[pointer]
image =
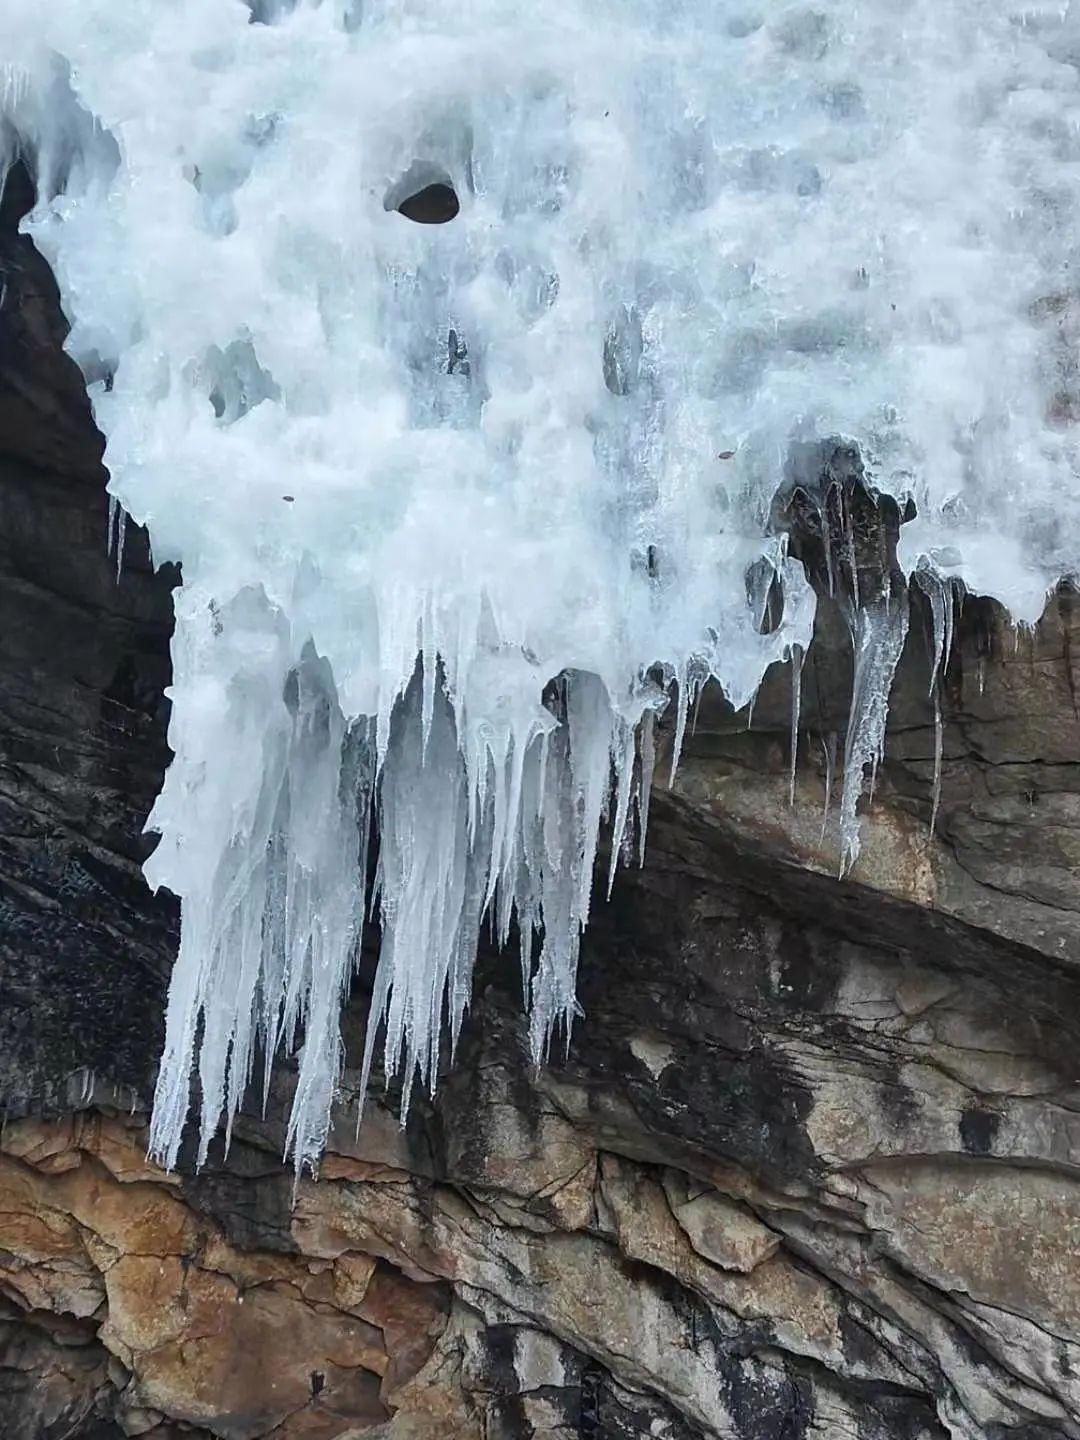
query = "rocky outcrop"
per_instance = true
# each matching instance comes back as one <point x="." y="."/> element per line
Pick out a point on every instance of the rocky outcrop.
<point x="84" y="949"/>
<point x="807" y="1167"/>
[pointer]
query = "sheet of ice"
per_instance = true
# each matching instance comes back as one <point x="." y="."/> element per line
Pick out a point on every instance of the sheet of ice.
<point x="688" y="229"/>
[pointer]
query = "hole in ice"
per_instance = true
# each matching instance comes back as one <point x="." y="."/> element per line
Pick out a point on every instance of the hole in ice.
<point x="425" y="194"/>
<point x="433" y="205"/>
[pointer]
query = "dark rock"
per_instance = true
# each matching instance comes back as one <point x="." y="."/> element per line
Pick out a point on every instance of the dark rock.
<point x="85" y="950"/>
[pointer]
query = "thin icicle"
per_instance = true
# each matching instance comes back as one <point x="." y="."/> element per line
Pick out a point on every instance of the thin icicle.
<point x="622" y="757"/>
<point x="942" y="596"/>
<point x="121" y="536"/>
<point x="648" y="764"/>
<point x="935" y="589"/>
<point x="938" y="752"/>
<point x="682" y="710"/>
<point x="950" y="626"/>
<point x="116" y="533"/>
<point x="796" y="708"/>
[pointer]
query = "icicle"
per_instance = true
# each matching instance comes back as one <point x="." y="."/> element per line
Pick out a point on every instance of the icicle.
<point x="116" y="532"/>
<point x="648" y="763"/>
<point x="121" y="536"/>
<point x="935" y="590"/>
<point x="938" y="750"/>
<point x="683" y="706"/>
<point x="622" y="758"/>
<point x="941" y="595"/>
<point x="796" y="706"/>
<point x="270" y="935"/>
<point x="950" y="622"/>
<point x="880" y="632"/>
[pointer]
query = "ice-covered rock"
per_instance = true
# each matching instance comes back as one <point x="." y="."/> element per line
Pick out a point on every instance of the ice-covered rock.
<point x="446" y="495"/>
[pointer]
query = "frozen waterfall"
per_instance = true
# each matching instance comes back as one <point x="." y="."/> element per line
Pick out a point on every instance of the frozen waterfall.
<point x="455" y="501"/>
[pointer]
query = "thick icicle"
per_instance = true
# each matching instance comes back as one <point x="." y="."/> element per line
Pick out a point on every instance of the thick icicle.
<point x="942" y="595"/>
<point x="275" y="907"/>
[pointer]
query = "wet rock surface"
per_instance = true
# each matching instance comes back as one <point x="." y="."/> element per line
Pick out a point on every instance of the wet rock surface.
<point x="809" y="1166"/>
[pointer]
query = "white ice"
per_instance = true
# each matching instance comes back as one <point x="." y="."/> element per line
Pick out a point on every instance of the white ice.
<point x="445" y="497"/>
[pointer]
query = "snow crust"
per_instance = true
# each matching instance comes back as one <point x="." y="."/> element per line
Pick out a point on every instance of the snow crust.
<point x="450" y="501"/>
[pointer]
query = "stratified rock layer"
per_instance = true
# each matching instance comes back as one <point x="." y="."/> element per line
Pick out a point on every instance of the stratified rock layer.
<point x="808" y="1168"/>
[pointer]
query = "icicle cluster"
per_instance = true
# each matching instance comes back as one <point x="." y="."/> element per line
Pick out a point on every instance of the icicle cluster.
<point x="445" y="496"/>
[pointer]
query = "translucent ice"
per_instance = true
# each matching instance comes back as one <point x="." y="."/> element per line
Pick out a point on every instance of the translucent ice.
<point x="446" y="496"/>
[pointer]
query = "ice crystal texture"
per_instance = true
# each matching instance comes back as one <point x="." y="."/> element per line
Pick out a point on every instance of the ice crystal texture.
<point x="449" y="498"/>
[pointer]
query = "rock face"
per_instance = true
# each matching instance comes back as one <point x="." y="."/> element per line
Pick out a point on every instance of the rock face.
<point x="810" y="1165"/>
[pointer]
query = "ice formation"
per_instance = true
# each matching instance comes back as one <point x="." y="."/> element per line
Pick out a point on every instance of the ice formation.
<point x="449" y="499"/>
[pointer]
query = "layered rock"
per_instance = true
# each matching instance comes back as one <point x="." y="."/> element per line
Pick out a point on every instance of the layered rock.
<point x="808" y="1166"/>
